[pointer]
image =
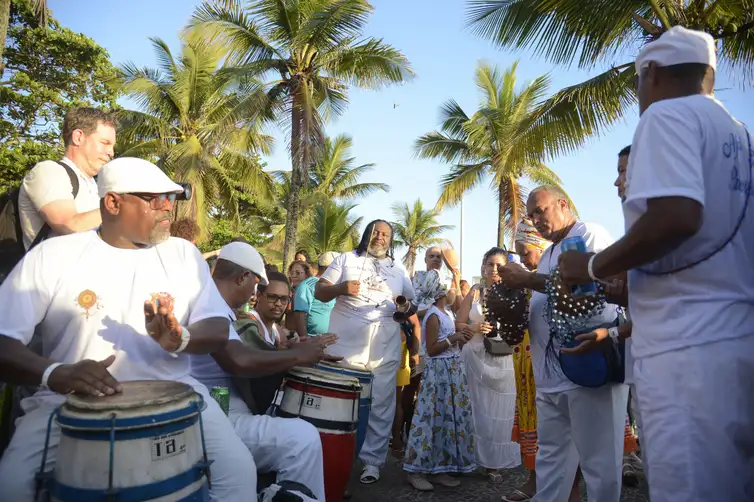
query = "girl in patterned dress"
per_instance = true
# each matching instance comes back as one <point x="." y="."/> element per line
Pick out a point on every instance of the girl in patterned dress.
<point x="441" y="437"/>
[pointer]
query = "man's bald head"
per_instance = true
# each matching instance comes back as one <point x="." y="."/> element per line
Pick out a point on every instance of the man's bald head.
<point x="433" y="258"/>
<point x="550" y="211"/>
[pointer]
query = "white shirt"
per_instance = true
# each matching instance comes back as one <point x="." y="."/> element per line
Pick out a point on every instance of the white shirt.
<point x="549" y="378"/>
<point x="48" y="182"/>
<point x="86" y="298"/>
<point x="381" y="281"/>
<point x="447" y="329"/>
<point x="206" y="370"/>
<point x="692" y="147"/>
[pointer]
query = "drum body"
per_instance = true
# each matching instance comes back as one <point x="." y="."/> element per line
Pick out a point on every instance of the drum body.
<point x="145" y="444"/>
<point x="365" y="401"/>
<point x="330" y="402"/>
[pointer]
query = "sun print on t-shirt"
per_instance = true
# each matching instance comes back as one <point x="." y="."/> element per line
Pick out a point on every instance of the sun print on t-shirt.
<point x="87" y="300"/>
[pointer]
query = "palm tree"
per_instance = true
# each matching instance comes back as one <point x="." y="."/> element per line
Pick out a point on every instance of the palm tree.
<point x="507" y="139"/>
<point x="312" y="50"/>
<point x="595" y="32"/>
<point x="416" y="228"/>
<point x="334" y="175"/>
<point x="40" y="8"/>
<point x="200" y="125"/>
<point x="332" y="228"/>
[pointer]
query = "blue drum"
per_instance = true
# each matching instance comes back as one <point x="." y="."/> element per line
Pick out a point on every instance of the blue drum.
<point x="365" y="402"/>
<point x="144" y="444"/>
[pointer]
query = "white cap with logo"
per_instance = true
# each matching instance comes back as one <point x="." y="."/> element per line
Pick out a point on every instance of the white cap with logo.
<point x="244" y="255"/>
<point x="679" y="45"/>
<point x="325" y="259"/>
<point x="132" y="175"/>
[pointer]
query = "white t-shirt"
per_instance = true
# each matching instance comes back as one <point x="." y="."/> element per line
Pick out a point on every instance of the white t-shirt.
<point x="381" y="281"/>
<point x="206" y="370"/>
<point x="548" y="377"/>
<point x="86" y="298"/>
<point x="692" y="147"/>
<point x="48" y="182"/>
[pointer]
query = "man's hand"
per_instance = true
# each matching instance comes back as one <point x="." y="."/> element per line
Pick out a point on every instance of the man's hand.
<point x="574" y="268"/>
<point x="162" y="325"/>
<point x="351" y="288"/>
<point x="85" y="377"/>
<point x="590" y="342"/>
<point x="514" y="275"/>
<point x="617" y="293"/>
<point x="485" y="328"/>
<point x="313" y="351"/>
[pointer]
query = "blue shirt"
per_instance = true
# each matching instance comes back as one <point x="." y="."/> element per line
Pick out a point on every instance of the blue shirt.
<point x="318" y="313"/>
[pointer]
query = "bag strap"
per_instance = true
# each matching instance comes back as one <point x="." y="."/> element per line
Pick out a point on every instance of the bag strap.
<point x="747" y="196"/>
<point x="46" y="230"/>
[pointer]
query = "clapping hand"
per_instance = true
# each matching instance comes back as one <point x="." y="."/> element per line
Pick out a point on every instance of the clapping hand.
<point x="162" y="325"/>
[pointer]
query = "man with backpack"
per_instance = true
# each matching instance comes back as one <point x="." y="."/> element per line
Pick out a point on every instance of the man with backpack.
<point x="58" y="197"/>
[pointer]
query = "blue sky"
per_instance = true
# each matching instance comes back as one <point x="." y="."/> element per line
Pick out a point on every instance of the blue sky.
<point x="444" y="55"/>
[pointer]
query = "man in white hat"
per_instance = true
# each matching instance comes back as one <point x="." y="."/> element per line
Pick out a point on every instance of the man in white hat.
<point x="120" y="303"/>
<point x="311" y="316"/>
<point x="689" y="249"/>
<point x="290" y="447"/>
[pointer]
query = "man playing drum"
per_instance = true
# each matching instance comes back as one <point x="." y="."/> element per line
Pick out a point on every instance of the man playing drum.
<point x="91" y="296"/>
<point x="289" y="446"/>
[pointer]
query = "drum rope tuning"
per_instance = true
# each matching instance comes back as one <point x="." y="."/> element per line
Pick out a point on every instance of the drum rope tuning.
<point x="45" y="480"/>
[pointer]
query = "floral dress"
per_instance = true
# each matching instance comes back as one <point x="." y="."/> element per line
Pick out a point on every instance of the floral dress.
<point x="441" y="438"/>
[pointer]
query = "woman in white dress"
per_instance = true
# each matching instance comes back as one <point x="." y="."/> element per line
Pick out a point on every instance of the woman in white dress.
<point x="491" y="379"/>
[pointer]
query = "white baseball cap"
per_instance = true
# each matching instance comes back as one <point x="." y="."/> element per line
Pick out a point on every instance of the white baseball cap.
<point x="244" y="255"/>
<point x="132" y="175"/>
<point x="679" y="45"/>
<point x="325" y="259"/>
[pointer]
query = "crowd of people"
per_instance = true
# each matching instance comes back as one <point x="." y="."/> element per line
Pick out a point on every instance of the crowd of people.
<point x="674" y="322"/>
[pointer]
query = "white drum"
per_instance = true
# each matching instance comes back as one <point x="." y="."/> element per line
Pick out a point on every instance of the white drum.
<point x="326" y="400"/>
<point x="144" y="444"/>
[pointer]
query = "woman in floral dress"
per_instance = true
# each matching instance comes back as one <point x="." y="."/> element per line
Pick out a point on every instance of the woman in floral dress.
<point x="441" y="437"/>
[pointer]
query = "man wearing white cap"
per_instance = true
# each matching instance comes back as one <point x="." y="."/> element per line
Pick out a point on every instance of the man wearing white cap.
<point x="290" y="447"/>
<point x="689" y="249"/>
<point x="93" y="296"/>
<point x="311" y="316"/>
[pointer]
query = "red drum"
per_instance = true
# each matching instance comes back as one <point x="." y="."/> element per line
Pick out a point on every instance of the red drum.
<point x="329" y="402"/>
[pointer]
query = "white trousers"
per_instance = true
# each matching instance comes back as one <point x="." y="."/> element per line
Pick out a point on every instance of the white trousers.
<point x="581" y="426"/>
<point x="234" y="475"/>
<point x="291" y="447"/>
<point x="697" y="417"/>
<point x="375" y="346"/>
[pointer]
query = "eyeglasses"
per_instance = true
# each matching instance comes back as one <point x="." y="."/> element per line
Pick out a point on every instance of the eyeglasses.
<point x="273" y="299"/>
<point x="157" y="201"/>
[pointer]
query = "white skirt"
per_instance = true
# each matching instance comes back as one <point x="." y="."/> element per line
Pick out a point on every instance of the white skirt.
<point x="492" y="385"/>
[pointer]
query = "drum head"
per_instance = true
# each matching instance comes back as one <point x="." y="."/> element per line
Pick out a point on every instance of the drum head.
<point x="136" y="394"/>
<point x="342" y="365"/>
<point x="324" y="378"/>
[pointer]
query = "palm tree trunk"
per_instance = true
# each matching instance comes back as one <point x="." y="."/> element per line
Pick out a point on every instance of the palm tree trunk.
<point x="294" y="196"/>
<point x="411" y="261"/>
<point x="4" y="18"/>
<point x="501" y="202"/>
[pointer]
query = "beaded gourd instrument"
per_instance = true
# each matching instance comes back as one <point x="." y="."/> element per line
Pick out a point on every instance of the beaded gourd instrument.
<point x="507" y="310"/>
<point x="567" y="315"/>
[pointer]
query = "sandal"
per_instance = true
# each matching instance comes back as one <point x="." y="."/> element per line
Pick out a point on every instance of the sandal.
<point x="370" y="474"/>
<point x="495" y="478"/>
<point x="520" y="497"/>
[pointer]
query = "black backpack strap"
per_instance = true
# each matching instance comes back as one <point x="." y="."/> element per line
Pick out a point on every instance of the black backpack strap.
<point x="45" y="231"/>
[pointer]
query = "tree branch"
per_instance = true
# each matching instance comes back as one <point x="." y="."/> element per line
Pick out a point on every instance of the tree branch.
<point x="649" y="28"/>
<point x="660" y="14"/>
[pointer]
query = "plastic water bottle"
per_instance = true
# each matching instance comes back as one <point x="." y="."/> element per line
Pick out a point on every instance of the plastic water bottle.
<point x="578" y="244"/>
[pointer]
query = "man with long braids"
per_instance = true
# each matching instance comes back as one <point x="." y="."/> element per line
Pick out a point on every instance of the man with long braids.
<point x="365" y="283"/>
